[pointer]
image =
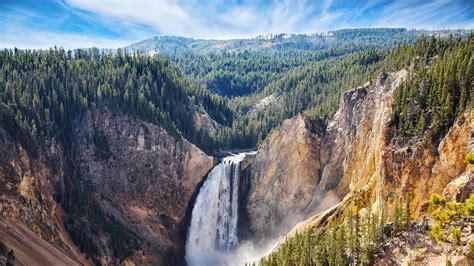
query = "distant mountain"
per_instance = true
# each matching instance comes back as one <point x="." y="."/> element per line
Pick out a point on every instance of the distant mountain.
<point x="295" y="43"/>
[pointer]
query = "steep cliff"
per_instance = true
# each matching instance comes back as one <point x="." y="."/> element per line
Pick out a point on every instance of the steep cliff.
<point x="304" y="170"/>
<point x="143" y="177"/>
<point x="283" y="176"/>
<point x="31" y="220"/>
<point x="122" y="193"/>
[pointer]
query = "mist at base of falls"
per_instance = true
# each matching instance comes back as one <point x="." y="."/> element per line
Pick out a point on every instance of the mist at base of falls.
<point x="246" y="252"/>
<point x="212" y="237"/>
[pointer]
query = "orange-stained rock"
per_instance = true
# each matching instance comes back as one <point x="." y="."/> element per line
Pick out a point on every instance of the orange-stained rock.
<point x="28" y="209"/>
<point x="355" y="156"/>
<point x="304" y="168"/>
<point x="284" y="175"/>
<point x="146" y="178"/>
<point x="139" y="174"/>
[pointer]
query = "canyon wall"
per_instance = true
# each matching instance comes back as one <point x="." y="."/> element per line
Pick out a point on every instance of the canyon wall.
<point x="306" y="172"/>
<point x="124" y="193"/>
<point x="31" y="220"/>
<point x="143" y="177"/>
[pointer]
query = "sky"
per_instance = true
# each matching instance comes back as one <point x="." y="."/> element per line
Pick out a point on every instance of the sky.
<point x="117" y="23"/>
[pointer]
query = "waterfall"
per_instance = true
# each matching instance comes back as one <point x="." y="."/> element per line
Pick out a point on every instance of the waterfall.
<point x="213" y="230"/>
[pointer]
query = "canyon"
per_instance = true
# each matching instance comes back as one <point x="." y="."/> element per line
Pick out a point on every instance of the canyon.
<point x="139" y="182"/>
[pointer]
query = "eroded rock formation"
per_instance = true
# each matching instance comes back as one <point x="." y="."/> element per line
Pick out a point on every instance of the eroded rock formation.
<point x="142" y="176"/>
<point x="31" y="220"/>
<point x="304" y="170"/>
<point x="127" y="190"/>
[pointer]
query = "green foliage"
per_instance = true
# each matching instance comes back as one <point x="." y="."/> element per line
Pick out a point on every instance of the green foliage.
<point x="401" y="215"/>
<point x="7" y="253"/>
<point x="438" y="88"/>
<point x="354" y="241"/>
<point x="437" y="232"/>
<point x="456" y="235"/>
<point x="102" y="147"/>
<point x="469" y="158"/>
<point x="437" y="200"/>
<point x="86" y="219"/>
<point x="450" y="218"/>
<point x="313" y="88"/>
<point x="312" y="83"/>
<point x="281" y="44"/>
<point x="469" y="206"/>
<point x="44" y="92"/>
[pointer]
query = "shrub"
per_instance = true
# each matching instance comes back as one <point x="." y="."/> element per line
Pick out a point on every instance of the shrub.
<point x="469" y="206"/>
<point x="469" y="158"/>
<point x="437" y="232"/>
<point x="456" y="235"/>
<point x="437" y="200"/>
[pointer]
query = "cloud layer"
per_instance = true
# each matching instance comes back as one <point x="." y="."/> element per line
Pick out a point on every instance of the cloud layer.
<point x="113" y="23"/>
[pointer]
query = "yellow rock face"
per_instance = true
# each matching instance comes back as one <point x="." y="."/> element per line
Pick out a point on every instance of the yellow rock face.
<point x="298" y="174"/>
<point x="421" y="171"/>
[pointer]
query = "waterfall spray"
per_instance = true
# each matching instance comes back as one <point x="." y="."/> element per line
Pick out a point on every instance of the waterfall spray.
<point x="213" y="229"/>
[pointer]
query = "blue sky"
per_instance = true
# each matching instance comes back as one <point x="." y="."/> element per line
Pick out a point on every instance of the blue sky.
<point x="115" y="23"/>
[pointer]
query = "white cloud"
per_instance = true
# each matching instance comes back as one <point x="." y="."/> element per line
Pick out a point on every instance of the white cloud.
<point x="32" y="39"/>
<point x="215" y="19"/>
<point x="120" y="22"/>
<point x="428" y="15"/>
<point x="164" y="15"/>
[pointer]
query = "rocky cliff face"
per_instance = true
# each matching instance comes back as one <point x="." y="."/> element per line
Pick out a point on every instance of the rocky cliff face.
<point x="142" y="176"/>
<point x="31" y="220"/>
<point x="304" y="168"/>
<point x="301" y="172"/>
<point x="284" y="175"/>
<point x="125" y="195"/>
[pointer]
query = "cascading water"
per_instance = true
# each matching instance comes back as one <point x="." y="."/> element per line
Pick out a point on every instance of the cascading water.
<point x="213" y="230"/>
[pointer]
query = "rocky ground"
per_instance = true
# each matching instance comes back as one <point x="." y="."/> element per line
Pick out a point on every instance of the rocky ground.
<point x="414" y="246"/>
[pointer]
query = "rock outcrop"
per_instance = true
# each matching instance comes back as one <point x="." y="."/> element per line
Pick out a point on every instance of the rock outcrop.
<point x="143" y="177"/>
<point x="415" y="247"/>
<point x="284" y="175"/>
<point x="304" y="170"/>
<point x="30" y="217"/>
<point x="122" y="194"/>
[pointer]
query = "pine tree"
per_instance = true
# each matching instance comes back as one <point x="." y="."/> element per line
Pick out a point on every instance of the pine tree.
<point x="397" y="216"/>
<point x="420" y="126"/>
<point x="357" y="236"/>
<point x="407" y="210"/>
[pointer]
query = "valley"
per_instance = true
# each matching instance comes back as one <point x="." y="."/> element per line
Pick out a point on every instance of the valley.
<point x="265" y="151"/>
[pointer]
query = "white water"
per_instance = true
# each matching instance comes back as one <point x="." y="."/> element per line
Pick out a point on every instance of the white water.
<point x="213" y="231"/>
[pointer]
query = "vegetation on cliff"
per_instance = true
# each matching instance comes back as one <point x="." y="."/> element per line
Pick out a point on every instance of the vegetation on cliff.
<point x="43" y="92"/>
<point x="353" y="240"/>
<point x="451" y="219"/>
<point x="7" y="256"/>
<point x="356" y="239"/>
<point x="438" y="88"/>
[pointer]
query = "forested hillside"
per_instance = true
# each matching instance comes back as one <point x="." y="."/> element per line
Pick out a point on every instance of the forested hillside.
<point x="285" y="44"/>
<point x="241" y="67"/>
<point x="43" y="92"/>
<point x="438" y="89"/>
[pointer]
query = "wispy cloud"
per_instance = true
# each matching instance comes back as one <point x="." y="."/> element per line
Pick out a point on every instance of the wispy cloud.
<point x="31" y="39"/>
<point x="429" y="14"/>
<point x="111" y="23"/>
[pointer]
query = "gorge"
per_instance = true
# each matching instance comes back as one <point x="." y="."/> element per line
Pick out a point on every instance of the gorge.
<point x="116" y="158"/>
<point x="213" y="229"/>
